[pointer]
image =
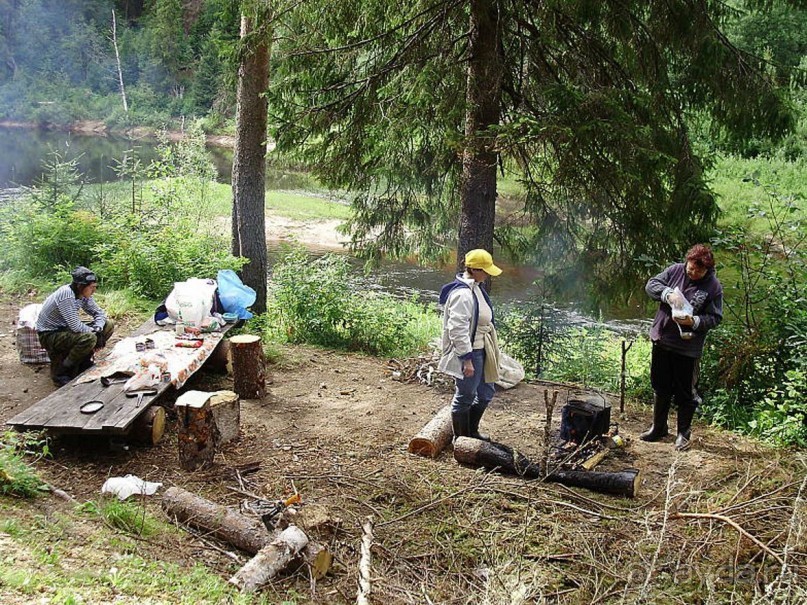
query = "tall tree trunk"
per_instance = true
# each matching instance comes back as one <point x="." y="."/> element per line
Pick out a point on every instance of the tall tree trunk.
<point x="249" y="162"/>
<point x="483" y="94"/>
<point x="117" y="61"/>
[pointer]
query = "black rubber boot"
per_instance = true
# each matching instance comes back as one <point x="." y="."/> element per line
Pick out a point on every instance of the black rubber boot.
<point x="685" y="414"/>
<point x="661" y="408"/>
<point x="460" y="424"/>
<point x="474" y="416"/>
<point x="85" y="364"/>
<point x="62" y="375"/>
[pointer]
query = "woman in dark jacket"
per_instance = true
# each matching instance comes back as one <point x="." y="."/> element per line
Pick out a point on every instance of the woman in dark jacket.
<point x="678" y="338"/>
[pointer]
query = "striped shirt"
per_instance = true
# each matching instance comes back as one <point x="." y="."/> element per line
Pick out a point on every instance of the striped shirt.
<point x="60" y="311"/>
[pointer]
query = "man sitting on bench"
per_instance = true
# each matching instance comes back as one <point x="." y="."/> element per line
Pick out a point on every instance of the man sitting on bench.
<point x="70" y="342"/>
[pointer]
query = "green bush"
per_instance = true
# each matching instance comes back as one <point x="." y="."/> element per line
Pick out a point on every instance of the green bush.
<point x="541" y="339"/>
<point x="144" y="241"/>
<point x="17" y="477"/>
<point x="316" y="302"/>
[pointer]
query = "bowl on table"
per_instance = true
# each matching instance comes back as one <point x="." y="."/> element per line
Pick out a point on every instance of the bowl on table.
<point x="230" y="317"/>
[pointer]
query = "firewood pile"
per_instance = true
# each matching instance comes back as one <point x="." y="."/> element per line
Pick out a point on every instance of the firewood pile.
<point x="421" y="369"/>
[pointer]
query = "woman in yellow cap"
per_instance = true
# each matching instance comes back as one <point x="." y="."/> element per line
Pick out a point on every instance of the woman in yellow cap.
<point x="470" y="351"/>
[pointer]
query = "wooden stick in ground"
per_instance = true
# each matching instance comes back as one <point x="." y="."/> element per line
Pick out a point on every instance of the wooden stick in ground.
<point x="270" y="560"/>
<point x="622" y="376"/>
<point x="434" y="436"/>
<point x="550" y="406"/>
<point x="365" y="586"/>
<point x="241" y="531"/>
<point x="249" y="371"/>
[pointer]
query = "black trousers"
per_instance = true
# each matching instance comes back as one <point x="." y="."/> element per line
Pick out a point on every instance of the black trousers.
<point x="675" y="375"/>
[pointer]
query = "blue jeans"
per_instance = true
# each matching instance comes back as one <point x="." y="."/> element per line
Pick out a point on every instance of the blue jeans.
<point x="473" y="391"/>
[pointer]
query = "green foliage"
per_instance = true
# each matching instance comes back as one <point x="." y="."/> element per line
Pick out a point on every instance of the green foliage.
<point x="754" y="367"/>
<point x="590" y="355"/>
<point x="51" y="231"/>
<point x="128" y="516"/>
<point x="317" y="302"/>
<point x="140" y="240"/>
<point x="17" y="476"/>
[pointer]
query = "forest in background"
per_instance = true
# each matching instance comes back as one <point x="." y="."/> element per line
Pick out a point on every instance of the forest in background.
<point x="178" y="64"/>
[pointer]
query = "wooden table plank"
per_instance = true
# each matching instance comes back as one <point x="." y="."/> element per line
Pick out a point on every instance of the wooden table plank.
<point x="60" y="411"/>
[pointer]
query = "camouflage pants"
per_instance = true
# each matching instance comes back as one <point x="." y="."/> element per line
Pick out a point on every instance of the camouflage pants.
<point x="64" y="346"/>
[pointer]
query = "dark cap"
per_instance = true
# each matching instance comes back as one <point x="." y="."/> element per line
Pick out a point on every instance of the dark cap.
<point x="82" y="276"/>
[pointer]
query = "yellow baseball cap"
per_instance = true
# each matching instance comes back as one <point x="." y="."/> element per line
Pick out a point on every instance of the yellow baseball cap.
<point x="481" y="259"/>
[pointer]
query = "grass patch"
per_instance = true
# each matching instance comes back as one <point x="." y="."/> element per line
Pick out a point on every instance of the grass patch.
<point x="17" y="477"/>
<point x="743" y="185"/>
<point x="302" y="206"/>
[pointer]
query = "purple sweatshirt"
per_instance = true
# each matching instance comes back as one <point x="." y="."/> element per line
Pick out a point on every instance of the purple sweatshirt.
<point x="706" y="297"/>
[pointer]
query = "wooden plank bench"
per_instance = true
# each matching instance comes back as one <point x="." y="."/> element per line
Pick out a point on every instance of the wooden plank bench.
<point x="60" y="412"/>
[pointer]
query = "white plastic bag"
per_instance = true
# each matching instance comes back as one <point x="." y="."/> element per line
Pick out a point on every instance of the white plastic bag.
<point x="190" y="301"/>
<point x="681" y="310"/>
<point x="123" y="487"/>
<point x="511" y="372"/>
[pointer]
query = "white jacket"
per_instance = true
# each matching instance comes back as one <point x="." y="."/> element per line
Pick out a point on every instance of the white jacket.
<point x="458" y="318"/>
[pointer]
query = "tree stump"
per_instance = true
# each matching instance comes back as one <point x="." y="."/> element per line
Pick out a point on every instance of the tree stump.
<point x="197" y="435"/>
<point x="249" y="371"/>
<point x="149" y="427"/>
<point x="246" y="533"/>
<point x="435" y="436"/>
<point x="226" y="408"/>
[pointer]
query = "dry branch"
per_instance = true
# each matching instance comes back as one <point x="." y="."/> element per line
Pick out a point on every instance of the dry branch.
<point x="364" y="563"/>
<point x="735" y="525"/>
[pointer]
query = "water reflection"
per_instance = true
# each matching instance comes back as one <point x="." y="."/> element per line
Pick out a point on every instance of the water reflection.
<point x="22" y="152"/>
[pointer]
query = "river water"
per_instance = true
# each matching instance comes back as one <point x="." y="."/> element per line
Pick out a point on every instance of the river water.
<point x="22" y="152"/>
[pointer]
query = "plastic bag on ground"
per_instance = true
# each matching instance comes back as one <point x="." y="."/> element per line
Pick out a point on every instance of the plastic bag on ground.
<point x="234" y="295"/>
<point x="123" y="487"/>
<point x="511" y="372"/>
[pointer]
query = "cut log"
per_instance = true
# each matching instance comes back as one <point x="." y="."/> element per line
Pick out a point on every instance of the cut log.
<point x="226" y="408"/>
<point x="149" y="427"/>
<point x="270" y="560"/>
<point x="435" y="436"/>
<point x="318" y="559"/>
<point x="594" y="460"/>
<point x="245" y="533"/>
<point x="496" y="456"/>
<point x="249" y="371"/>
<point x="197" y="435"/>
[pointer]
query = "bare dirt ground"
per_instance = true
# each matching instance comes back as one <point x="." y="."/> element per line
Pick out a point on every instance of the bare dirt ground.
<point x="336" y="426"/>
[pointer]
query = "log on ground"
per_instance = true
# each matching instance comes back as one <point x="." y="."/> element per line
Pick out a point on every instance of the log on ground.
<point x="496" y="456"/>
<point x="249" y="367"/>
<point x="246" y="533"/>
<point x="270" y="560"/>
<point x="434" y="436"/>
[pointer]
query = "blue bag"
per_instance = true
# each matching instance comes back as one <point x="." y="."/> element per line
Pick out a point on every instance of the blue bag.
<point x="235" y="296"/>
